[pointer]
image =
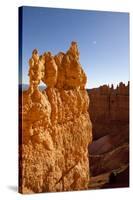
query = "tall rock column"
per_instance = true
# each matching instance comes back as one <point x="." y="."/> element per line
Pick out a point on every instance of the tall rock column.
<point x="56" y="127"/>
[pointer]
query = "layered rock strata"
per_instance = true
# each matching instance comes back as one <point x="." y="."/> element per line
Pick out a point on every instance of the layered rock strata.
<point x="109" y="113"/>
<point x="109" y="109"/>
<point x="56" y="128"/>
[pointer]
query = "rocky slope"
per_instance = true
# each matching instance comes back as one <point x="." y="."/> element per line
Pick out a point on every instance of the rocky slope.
<point x="55" y="127"/>
<point x="109" y="151"/>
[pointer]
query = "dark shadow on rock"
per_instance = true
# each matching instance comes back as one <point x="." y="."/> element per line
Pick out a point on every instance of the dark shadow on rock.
<point x="112" y="178"/>
<point x="119" y="181"/>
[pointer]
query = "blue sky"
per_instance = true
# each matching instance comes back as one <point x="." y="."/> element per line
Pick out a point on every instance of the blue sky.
<point x="102" y="37"/>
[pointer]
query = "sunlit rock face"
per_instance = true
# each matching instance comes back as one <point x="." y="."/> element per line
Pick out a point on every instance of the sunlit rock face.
<point x="56" y="127"/>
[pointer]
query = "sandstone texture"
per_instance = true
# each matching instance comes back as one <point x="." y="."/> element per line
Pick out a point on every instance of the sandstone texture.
<point x="109" y="113"/>
<point x="55" y="127"/>
<point x="109" y="109"/>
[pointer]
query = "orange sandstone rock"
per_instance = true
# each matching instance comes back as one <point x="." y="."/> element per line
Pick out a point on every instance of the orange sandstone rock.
<point x="109" y="109"/>
<point x="50" y="77"/>
<point x="56" y="127"/>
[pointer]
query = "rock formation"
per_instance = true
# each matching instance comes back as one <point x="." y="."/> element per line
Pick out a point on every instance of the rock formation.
<point x="109" y="108"/>
<point x="56" y="129"/>
<point x="109" y="113"/>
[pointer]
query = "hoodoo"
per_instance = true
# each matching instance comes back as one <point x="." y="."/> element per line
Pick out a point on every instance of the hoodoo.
<point x="56" y="127"/>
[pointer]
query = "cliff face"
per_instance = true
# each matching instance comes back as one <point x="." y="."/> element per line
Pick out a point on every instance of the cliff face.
<point x="109" y="109"/>
<point x="109" y="113"/>
<point x="56" y="127"/>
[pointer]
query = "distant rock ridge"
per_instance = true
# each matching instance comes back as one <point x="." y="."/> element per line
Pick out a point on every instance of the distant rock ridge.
<point x="121" y="89"/>
<point x="108" y="105"/>
<point x="56" y="128"/>
<point x="109" y="113"/>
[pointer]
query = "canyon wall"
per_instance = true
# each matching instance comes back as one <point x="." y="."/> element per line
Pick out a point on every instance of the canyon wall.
<point x="108" y="106"/>
<point x="55" y="127"/>
<point x="109" y="113"/>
